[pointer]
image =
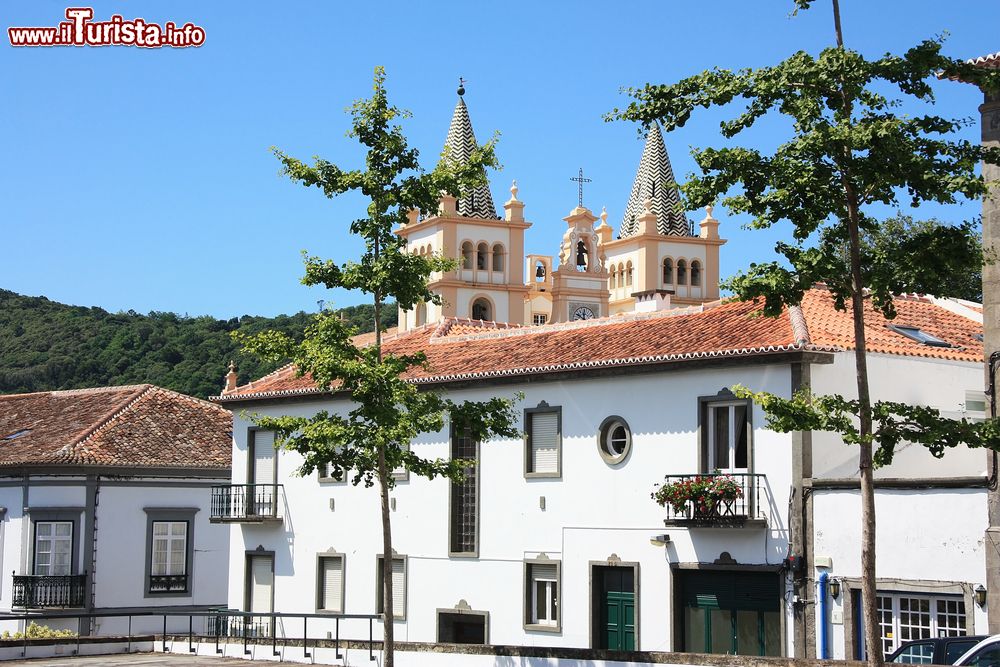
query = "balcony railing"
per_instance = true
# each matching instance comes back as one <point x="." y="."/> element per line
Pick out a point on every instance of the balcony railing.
<point x="248" y="503"/>
<point x="168" y="583"/>
<point x="734" y="509"/>
<point x="37" y="591"/>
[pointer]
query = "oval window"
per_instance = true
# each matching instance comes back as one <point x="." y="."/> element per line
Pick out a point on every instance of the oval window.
<point x="614" y="440"/>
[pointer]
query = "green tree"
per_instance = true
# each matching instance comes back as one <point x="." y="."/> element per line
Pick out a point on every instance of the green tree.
<point x="849" y="151"/>
<point x="387" y="411"/>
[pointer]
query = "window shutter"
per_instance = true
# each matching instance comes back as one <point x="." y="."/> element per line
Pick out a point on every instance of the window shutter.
<point x="263" y="453"/>
<point x="333" y="578"/>
<point x="544" y="442"/>
<point x="398" y="587"/>
<point x="543" y="572"/>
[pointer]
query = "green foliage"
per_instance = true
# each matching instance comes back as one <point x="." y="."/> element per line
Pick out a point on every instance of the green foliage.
<point x="388" y="412"/>
<point x="45" y="346"/>
<point x="36" y="631"/>
<point x="892" y="423"/>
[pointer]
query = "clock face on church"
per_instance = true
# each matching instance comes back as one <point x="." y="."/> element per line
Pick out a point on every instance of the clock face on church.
<point x="583" y="313"/>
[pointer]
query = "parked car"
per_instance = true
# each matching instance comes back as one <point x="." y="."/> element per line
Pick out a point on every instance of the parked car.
<point x="984" y="654"/>
<point x="935" y="651"/>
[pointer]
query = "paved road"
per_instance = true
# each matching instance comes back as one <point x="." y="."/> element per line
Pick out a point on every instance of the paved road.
<point x="142" y="659"/>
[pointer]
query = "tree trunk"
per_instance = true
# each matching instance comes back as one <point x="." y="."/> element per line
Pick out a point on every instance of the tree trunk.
<point x="387" y="602"/>
<point x="873" y="640"/>
<point x="388" y="642"/>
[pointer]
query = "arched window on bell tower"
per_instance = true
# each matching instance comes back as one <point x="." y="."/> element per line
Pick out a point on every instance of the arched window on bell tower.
<point x="668" y="271"/>
<point x="467" y="255"/>
<point x="695" y="273"/>
<point x="498" y="258"/>
<point x="481" y="310"/>
<point x="482" y="257"/>
<point x="682" y="277"/>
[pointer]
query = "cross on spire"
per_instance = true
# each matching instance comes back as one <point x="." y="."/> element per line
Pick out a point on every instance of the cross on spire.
<point x="580" y="180"/>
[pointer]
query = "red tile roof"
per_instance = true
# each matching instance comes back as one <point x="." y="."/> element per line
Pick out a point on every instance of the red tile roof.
<point x="464" y="349"/>
<point x="989" y="60"/>
<point x="132" y="426"/>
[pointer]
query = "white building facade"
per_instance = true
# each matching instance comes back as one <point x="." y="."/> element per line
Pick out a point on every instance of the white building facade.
<point x="106" y="503"/>
<point x="554" y="539"/>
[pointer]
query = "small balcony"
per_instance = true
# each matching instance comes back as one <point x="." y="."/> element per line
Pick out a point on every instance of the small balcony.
<point x="720" y="501"/>
<point x="246" y="503"/>
<point x="168" y="583"/>
<point x="37" y="591"/>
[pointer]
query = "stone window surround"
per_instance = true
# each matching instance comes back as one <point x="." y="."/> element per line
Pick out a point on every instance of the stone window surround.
<point x="186" y="514"/>
<point x="528" y="626"/>
<point x="850" y="585"/>
<point x="479" y="486"/>
<point x="378" y="584"/>
<point x="602" y="433"/>
<point x="542" y="407"/>
<point x="71" y="514"/>
<point x="461" y="609"/>
<point x="332" y="553"/>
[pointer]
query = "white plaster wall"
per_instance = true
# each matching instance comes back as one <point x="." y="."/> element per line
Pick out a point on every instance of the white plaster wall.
<point x="120" y="566"/>
<point x="933" y="382"/>
<point x="10" y="543"/>
<point x="477" y="233"/>
<point x="932" y="535"/>
<point x="591" y="512"/>
<point x="465" y="296"/>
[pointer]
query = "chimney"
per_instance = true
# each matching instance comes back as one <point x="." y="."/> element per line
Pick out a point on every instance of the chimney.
<point x="652" y="301"/>
<point x="231" y="378"/>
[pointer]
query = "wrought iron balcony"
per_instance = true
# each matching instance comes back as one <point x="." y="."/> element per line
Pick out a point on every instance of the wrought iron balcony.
<point x="245" y="503"/>
<point x="168" y="583"/>
<point x="724" y="500"/>
<point x="38" y="591"/>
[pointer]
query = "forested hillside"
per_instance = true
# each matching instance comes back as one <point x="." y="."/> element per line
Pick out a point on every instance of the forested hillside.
<point x="45" y="345"/>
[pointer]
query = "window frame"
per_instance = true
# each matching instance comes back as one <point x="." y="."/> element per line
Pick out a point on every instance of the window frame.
<point x="379" y="598"/>
<point x="705" y="404"/>
<point x="451" y="450"/>
<point x="529" y="413"/>
<point x="321" y="582"/>
<point x="529" y="622"/>
<point x="175" y="515"/>
<point x="52" y="540"/>
<point x="47" y="514"/>
<point x="604" y="431"/>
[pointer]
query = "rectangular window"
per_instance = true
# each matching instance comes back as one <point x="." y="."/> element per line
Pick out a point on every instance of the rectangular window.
<point x="169" y="548"/>
<point x="975" y="405"/>
<point x="728" y="437"/>
<point x="542" y="451"/>
<point x="542" y="595"/>
<point x="464" y="528"/>
<point x="538" y="319"/>
<point x="904" y="617"/>
<point x="469" y="627"/>
<point x="53" y="548"/>
<point x="331" y="584"/>
<point x="398" y="587"/>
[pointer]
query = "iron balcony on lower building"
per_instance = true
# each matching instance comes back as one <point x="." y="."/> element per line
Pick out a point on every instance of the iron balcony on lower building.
<point x="718" y="500"/>
<point x="168" y="583"/>
<point x="42" y="591"/>
<point x="246" y="503"/>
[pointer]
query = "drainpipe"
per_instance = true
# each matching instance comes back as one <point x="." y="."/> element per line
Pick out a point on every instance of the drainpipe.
<point x="824" y="612"/>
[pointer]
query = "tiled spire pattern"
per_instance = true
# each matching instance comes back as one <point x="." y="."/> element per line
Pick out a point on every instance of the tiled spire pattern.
<point x="655" y="181"/>
<point x="460" y="143"/>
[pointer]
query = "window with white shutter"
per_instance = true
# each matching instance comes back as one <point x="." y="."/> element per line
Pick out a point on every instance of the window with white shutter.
<point x="398" y="587"/>
<point x="544" y="441"/>
<point x="331" y="584"/>
<point x="541" y="595"/>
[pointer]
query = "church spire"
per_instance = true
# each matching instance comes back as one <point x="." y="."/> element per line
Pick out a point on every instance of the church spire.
<point x="460" y="143"/>
<point x="655" y="181"/>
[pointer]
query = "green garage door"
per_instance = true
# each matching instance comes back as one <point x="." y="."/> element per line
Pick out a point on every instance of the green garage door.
<point x="731" y="612"/>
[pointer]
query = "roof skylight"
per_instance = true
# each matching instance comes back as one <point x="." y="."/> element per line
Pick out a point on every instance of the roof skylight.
<point x="919" y="335"/>
<point x="16" y="434"/>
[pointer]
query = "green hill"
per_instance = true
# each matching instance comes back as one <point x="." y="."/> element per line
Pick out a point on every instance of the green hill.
<point x="45" y="345"/>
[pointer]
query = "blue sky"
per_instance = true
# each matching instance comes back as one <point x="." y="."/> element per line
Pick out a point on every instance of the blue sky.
<point x="141" y="179"/>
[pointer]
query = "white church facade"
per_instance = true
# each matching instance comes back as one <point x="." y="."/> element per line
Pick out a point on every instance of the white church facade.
<point x="625" y="356"/>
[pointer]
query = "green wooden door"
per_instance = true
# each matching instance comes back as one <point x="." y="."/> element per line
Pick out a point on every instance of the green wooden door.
<point x="617" y="599"/>
<point x="731" y="612"/>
